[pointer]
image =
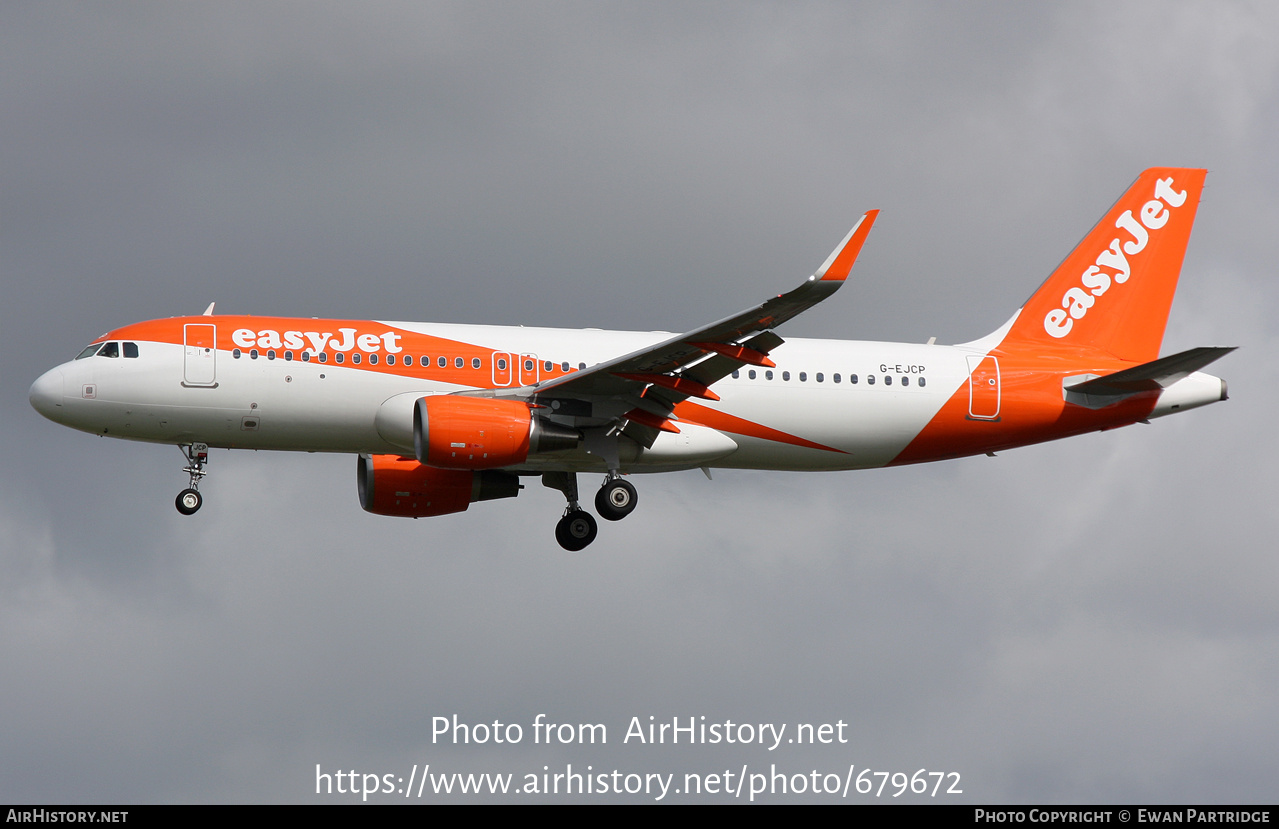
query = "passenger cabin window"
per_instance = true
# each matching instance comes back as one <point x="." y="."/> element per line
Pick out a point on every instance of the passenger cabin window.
<point x="475" y="362"/>
<point x="751" y="374"/>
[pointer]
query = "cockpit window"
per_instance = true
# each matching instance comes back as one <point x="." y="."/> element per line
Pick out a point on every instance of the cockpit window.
<point x="130" y="349"/>
<point x="110" y="350"/>
<point x="89" y="351"/>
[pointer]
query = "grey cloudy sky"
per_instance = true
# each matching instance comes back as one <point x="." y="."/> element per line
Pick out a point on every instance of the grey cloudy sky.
<point x="1093" y="620"/>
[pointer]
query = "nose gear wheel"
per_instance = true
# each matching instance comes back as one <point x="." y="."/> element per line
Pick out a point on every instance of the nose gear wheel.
<point x="188" y="501"/>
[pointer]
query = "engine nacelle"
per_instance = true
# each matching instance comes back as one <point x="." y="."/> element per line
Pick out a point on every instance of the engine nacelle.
<point x="452" y="432"/>
<point x="392" y="485"/>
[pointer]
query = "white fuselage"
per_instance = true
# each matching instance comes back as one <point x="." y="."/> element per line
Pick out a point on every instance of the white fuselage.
<point x="860" y="402"/>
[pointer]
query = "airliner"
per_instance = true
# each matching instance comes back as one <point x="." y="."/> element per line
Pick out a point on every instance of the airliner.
<point x="441" y="416"/>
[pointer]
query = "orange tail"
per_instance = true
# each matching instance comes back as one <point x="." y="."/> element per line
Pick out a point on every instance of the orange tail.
<point x="1114" y="290"/>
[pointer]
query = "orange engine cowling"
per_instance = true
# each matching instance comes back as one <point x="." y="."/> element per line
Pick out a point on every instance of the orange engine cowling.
<point x="453" y="432"/>
<point x="392" y="485"/>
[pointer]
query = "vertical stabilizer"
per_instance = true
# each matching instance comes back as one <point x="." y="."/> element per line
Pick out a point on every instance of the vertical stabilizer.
<point x="1113" y="292"/>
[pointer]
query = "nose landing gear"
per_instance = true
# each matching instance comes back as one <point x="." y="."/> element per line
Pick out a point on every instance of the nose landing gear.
<point x="189" y="500"/>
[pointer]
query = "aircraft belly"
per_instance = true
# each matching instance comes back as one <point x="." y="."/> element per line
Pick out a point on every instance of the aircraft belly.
<point x="692" y="446"/>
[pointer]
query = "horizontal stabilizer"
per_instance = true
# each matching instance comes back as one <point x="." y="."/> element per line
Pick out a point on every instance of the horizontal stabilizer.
<point x="1152" y="376"/>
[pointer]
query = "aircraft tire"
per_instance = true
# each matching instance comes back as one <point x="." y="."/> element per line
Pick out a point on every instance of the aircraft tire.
<point x="616" y="500"/>
<point x="576" y="530"/>
<point x="189" y="501"/>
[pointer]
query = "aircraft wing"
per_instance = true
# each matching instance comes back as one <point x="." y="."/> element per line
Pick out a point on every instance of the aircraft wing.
<point x="655" y="378"/>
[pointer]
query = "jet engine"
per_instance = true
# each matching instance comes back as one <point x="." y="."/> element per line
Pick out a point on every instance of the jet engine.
<point x="392" y="485"/>
<point x="452" y="432"/>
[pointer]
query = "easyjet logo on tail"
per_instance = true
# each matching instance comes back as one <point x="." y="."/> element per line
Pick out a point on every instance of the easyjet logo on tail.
<point x="1112" y="265"/>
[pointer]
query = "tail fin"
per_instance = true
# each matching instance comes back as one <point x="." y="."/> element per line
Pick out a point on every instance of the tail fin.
<point x="1114" y="290"/>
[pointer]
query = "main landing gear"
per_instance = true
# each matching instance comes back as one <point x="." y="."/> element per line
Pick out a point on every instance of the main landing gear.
<point x="189" y="500"/>
<point x="615" y="500"/>
<point x="576" y="529"/>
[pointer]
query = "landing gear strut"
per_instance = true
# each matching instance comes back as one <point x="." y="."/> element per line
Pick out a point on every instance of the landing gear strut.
<point x="189" y="500"/>
<point x="616" y="499"/>
<point x="577" y="529"/>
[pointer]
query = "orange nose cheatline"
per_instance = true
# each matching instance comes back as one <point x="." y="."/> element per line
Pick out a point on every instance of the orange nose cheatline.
<point x="46" y="394"/>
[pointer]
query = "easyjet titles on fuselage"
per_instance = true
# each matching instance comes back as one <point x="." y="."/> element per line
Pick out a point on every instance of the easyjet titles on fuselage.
<point x="270" y="338"/>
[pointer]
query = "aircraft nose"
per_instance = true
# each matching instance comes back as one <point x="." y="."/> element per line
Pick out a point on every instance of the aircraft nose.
<point x="46" y="394"/>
